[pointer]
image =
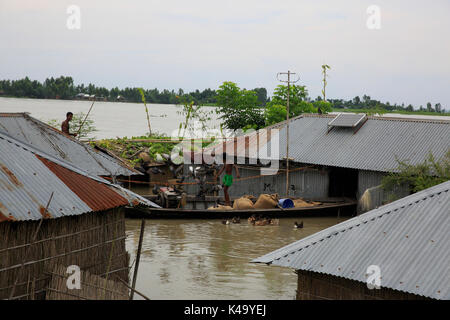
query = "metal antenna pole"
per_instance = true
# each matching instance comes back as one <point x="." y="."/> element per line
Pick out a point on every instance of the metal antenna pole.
<point x="287" y="122"/>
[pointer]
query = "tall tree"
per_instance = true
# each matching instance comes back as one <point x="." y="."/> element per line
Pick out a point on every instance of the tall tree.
<point x="238" y="108"/>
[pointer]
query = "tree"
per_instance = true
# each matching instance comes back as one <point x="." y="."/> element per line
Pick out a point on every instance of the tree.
<point x="297" y="97"/>
<point x="238" y="108"/>
<point x="262" y="95"/>
<point x="275" y="113"/>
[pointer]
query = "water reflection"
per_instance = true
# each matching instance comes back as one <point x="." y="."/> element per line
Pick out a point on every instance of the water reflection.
<point x="204" y="259"/>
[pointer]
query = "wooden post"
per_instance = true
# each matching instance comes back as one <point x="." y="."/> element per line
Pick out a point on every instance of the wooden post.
<point x="287" y="135"/>
<point x="289" y="73"/>
<point x="138" y="257"/>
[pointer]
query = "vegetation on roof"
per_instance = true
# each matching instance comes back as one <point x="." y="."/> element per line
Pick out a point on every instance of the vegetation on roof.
<point x="421" y="176"/>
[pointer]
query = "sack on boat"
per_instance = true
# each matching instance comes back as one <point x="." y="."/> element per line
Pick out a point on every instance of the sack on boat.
<point x="220" y="207"/>
<point x="266" y="201"/>
<point x="243" y="203"/>
<point x="300" y="203"/>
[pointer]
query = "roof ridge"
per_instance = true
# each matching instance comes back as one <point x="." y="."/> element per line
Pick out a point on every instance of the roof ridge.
<point x="400" y="119"/>
<point x="41" y="123"/>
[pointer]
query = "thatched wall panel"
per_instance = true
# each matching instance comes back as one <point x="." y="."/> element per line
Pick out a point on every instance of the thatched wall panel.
<point x="94" y="241"/>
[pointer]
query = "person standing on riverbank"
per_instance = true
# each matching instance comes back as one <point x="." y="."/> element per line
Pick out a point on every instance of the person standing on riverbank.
<point x="65" y="125"/>
<point x="227" y="180"/>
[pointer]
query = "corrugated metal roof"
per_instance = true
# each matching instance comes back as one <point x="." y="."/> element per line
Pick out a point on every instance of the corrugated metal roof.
<point x="376" y="146"/>
<point x="27" y="129"/>
<point x="408" y="239"/>
<point x="29" y="176"/>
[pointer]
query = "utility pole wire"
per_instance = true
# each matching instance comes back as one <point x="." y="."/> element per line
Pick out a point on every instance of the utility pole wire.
<point x="287" y="121"/>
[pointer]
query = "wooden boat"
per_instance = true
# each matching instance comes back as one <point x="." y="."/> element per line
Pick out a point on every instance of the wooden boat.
<point x="343" y="207"/>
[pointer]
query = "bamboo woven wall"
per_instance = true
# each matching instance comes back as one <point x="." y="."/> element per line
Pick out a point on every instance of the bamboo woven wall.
<point x="92" y="287"/>
<point x="317" y="286"/>
<point x="94" y="241"/>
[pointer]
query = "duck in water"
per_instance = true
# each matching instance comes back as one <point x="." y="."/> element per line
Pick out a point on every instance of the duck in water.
<point x="298" y="225"/>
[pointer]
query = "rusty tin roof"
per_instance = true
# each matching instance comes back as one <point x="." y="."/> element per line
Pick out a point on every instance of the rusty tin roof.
<point x="29" y="176"/>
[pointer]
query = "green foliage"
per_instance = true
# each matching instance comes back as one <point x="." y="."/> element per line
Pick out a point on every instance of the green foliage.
<point x="324" y="106"/>
<point x="129" y="149"/>
<point x="297" y="95"/>
<point x="238" y="108"/>
<point x="197" y="113"/>
<point x="87" y="127"/>
<point x="276" y="109"/>
<point x="275" y="113"/>
<point x="421" y="176"/>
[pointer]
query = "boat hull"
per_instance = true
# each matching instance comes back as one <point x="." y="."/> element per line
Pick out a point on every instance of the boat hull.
<point x="347" y="208"/>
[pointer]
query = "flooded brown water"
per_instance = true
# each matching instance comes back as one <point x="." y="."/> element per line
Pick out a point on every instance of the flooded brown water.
<point x="205" y="259"/>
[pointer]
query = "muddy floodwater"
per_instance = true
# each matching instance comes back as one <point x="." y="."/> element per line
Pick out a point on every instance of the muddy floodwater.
<point x="205" y="259"/>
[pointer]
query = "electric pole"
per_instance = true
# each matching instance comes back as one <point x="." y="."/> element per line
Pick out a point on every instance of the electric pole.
<point x="287" y="121"/>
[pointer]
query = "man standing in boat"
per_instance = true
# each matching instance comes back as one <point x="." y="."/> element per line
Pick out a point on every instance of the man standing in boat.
<point x="227" y="180"/>
<point x="65" y="125"/>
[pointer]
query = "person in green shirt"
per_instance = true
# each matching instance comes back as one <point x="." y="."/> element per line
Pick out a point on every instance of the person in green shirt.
<point x="227" y="180"/>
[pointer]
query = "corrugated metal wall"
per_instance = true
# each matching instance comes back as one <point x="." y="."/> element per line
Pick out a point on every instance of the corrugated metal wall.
<point x="368" y="179"/>
<point x="371" y="195"/>
<point x="307" y="183"/>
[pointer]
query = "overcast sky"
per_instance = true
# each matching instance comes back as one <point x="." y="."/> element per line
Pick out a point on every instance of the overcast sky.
<point x="199" y="44"/>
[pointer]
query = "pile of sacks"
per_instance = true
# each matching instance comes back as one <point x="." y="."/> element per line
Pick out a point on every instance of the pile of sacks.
<point x="265" y="201"/>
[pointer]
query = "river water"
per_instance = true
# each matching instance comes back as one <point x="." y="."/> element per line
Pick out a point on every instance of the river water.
<point x="205" y="259"/>
<point x="111" y="119"/>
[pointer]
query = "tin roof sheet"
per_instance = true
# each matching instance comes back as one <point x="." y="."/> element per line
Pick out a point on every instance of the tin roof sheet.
<point x="408" y="239"/>
<point x="27" y="129"/>
<point x="376" y="146"/>
<point x="29" y="176"/>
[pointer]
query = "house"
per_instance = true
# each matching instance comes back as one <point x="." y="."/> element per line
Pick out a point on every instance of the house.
<point x="406" y="243"/>
<point x="332" y="156"/>
<point x="29" y="130"/>
<point x="54" y="215"/>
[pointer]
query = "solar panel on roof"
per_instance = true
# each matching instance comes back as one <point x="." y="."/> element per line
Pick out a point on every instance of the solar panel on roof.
<point x="347" y="120"/>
